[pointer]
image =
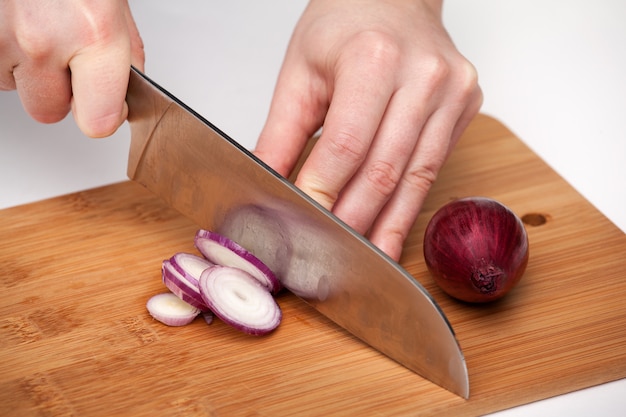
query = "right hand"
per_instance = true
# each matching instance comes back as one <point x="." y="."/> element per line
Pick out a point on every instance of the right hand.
<point x="70" y="55"/>
<point x="393" y="95"/>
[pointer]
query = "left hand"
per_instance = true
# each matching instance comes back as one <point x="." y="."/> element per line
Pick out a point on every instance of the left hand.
<point x="393" y="95"/>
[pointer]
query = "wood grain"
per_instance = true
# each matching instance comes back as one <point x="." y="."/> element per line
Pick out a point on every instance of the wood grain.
<point x="76" y="339"/>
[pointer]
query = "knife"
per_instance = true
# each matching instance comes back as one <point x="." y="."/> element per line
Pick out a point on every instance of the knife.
<point x="214" y="181"/>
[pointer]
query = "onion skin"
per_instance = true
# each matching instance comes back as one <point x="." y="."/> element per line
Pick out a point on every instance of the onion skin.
<point x="221" y="250"/>
<point x="182" y="284"/>
<point x="476" y="249"/>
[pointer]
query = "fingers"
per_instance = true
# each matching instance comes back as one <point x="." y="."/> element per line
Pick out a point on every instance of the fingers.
<point x="296" y="112"/>
<point x="359" y="99"/>
<point x="385" y="136"/>
<point x="29" y="62"/>
<point x="376" y="180"/>
<point x="100" y="73"/>
<point x="45" y="93"/>
<point x="395" y="220"/>
<point x="99" y="83"/>
<point x="70" y="55"/>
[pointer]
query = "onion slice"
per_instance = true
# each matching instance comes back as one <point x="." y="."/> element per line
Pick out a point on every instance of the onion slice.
<point x="221" y="250"/>
<point x="190" y="265"/>
<point x="169" y="309"/>
<point x="239" y="299"/>
<point x="183" y="285"/>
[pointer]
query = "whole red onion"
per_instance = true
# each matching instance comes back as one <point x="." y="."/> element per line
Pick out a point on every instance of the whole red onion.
<point x="476" y="249"/>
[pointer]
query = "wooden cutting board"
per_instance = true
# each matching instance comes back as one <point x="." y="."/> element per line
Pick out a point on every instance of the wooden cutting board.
<point x="76" y="339"/>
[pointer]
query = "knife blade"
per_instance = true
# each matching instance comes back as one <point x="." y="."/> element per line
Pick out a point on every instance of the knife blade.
<point x="210" y="178"/>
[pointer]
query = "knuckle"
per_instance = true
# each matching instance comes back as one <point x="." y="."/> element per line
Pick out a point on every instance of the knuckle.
<point x="422" y="177"/>
<point x="460" y="74"/>
<point x="435" y="70"/>
<point x="385" y="49"/>
<point x="32" y="43"/>
<point x="96" y="28"/>
<point x="379" y="48"/>
<point x="467" y="79"/>
<point x="383" y="177"/>
<point x="394" y="242"/>
<point x="38" y="38"/>
<point x="346" y="147"/>
<point x="315" y="189"/>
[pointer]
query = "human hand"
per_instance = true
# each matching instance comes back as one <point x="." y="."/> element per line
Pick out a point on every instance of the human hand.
<point x="69" y="54"/>
<point x="393" y="95"/>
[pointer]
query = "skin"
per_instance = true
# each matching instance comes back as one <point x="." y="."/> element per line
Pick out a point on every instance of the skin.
<point x="64" y="55"/>
<point x="382" y="77"/>
<point x="393" y="95"/>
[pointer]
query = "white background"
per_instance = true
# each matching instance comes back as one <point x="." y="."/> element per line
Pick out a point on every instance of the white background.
<point x="552" y="71"/>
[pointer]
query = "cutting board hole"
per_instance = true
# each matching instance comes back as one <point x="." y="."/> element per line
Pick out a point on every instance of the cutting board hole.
<point x="535" y="219"/>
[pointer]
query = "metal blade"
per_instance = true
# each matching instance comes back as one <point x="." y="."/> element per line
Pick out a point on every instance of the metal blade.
<point x="221" y="186"/>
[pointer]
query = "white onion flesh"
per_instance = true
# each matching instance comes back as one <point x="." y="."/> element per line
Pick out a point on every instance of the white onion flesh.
<point x="182" y="285"/>
<point x="169" y="309"/>
<point x="190" y="265"/>
<point x="220" y="250"/>
<point x="239" y="299"/>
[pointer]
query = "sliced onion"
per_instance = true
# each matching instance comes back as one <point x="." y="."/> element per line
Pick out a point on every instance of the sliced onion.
<point x="169" y="309"/>
<point x="223" y="251"/>
<point x="207" y="316"/>
<point x="183" y="285"/>
<point x="249" y="224"/>
<point x="190" y="265"/>
<point x="239" y="299"/>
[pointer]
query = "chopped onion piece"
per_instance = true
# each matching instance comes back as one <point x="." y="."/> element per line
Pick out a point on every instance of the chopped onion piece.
<point x="240" y="300"/>
<point x="207" y="316"/>
<point x="169" y="309"/>
<point x="223" y="251"/>
<point x="183" y="285"/>
<point x="190" y="265"/>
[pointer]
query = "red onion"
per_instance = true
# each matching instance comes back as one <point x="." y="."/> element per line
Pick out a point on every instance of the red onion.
<point x="169" y="309"/>
<point x="238" y="290"/>
<point x="190" y="265"/>
<point x="221" y="250"/>
<point x="182" y="284"/>
<point x="207" y="316"/>
<point x="476" y="249"/>
<point x="239" y="299"/>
